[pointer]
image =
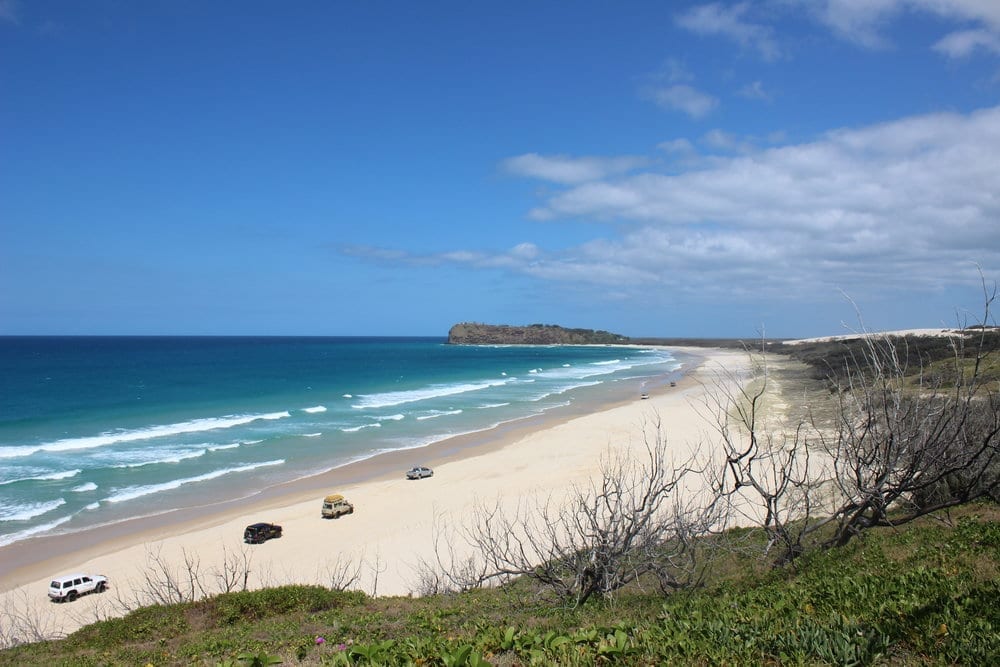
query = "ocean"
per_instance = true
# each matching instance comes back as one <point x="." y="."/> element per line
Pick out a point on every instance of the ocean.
<point x="96" y="430"/>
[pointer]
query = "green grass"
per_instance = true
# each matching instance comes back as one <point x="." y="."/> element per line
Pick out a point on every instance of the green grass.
<point x="928" y="594"/>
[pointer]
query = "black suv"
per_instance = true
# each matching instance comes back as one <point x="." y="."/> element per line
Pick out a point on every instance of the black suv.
<point x="257" y="533"/>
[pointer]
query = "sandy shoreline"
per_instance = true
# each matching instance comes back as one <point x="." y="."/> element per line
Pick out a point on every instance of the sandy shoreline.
<point x="392" y="528"/>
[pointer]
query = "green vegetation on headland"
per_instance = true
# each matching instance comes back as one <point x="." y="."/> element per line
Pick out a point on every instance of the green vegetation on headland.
<point x="926" y="594"/>
<point x="472" y="333"/>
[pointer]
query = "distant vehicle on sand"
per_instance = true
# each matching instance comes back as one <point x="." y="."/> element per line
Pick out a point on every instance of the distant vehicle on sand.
<point x="71" y="586"/>
<point x="335" y="506"/>
<point x="258" y="533"/>
<point x="419" y="473"/>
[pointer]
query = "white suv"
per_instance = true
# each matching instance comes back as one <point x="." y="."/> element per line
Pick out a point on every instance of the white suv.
<point x="72" y="586"/>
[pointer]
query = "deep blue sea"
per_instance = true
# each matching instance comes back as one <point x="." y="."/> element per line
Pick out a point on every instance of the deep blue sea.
<point x="95" y="430"/>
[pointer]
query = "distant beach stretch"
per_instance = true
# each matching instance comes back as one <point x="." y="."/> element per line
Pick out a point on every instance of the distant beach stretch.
<point x="492" y="422"/>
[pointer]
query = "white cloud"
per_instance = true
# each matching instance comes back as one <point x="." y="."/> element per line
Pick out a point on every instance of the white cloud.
<point x="985" y="11"/>
<point x="674" y="71"/>
<point x="527" y="251"/>
<point x="909" y="204"/>
<point x="729" y="21"/>
<point x="863" y="21"/>
<point x="684" y="98"/>
<point x="857" y="21"/>
<point x="568" y="170"/>
<point x="721" y="140"/>
<point x="670" y="89"/>
<point x="963" y="43"/>
<point x="676" y="146"/>
<point x="904" y="207"/>
<point x="754" y="91"/>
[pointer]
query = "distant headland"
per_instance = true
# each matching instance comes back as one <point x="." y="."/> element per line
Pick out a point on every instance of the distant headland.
<point x="474" y="333"/>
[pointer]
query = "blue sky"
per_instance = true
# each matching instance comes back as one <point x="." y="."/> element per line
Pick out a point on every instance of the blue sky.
<point x="391" y="168"/>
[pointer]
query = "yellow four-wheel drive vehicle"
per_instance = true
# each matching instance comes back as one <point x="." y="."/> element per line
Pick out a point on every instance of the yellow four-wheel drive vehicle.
<point x="335" y="505"/>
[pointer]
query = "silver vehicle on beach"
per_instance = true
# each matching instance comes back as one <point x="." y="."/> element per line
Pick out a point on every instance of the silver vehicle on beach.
<point x="419" y="473"/>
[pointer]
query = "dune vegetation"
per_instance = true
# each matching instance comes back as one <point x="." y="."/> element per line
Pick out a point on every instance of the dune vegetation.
<point x="868" y="533"/>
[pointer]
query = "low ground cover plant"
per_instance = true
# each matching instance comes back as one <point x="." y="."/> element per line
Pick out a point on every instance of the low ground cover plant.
<point x="924" y="594"/>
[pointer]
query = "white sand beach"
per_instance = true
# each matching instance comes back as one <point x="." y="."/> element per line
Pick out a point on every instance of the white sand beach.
<point x="392" y="527"/>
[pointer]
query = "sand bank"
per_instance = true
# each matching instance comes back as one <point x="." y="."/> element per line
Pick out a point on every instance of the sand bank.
<point x="393" y="526"/>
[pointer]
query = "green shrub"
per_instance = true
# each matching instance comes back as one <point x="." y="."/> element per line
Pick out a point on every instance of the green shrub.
<point x="254" y="605"/>
<point x="147" y="624"/>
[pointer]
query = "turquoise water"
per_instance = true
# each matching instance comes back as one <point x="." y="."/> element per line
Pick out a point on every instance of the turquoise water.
<point x="100" y="429"/>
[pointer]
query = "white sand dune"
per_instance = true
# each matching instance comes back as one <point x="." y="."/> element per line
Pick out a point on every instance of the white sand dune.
<point x="862" y="334"/>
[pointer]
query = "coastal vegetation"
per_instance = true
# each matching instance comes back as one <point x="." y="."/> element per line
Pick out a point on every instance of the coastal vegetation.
<point x="924" y="358"/>
<point x="849" y="517"/>
<point x="906" y="431"/>
<point x="473" y="333"/>
<point x="925" y="594"/>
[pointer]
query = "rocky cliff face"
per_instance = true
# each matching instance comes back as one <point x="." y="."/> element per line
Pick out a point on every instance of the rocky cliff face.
<point x="470" y="333"/>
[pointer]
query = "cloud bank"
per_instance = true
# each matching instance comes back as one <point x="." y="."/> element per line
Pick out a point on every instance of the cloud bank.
<point x="911" y="204"/>
<point x="861" y="21"/>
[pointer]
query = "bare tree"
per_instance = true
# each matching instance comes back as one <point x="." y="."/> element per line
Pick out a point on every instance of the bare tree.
<point x="769" y="471"/>
<point x="341" y="573"/>
<point x="234" y="572"/>
<point x="429" y="579"/>
<point x="377" y="567"/>
<point x="22" y="621"/>
<point x="903" y="443"/>
<point x="906" y="451"/>
<point x="164" y="581"/>
<point x="629" y="523"/>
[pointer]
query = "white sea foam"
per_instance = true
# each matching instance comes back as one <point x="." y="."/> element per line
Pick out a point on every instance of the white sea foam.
<point x="348" y="395"/>
<point x="580" y="385"/>
<point x="89" y="486"/>
<point x="555" y="391"/>
<point x="148" y="458"/>
<point x="355" y="429"/>
<point x="417" y="443"/>
<point x="27" y="511"/>
<point x="434" y="391"/>
<point x="92" y="506"/>
<point x="315" y="409"/>
<point x="34" y="530"/>
<point x="219" y="448"/>
<point x="311" y="435"/>
<point x="395" y="418"/>
<point x="597" y="368"/>
<point x="492" y="405"/>
<point x="132" y="492"/>
<point x="434" y="414"/>
<point x="44" y="476"/>
<point x="115" y="437"/>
